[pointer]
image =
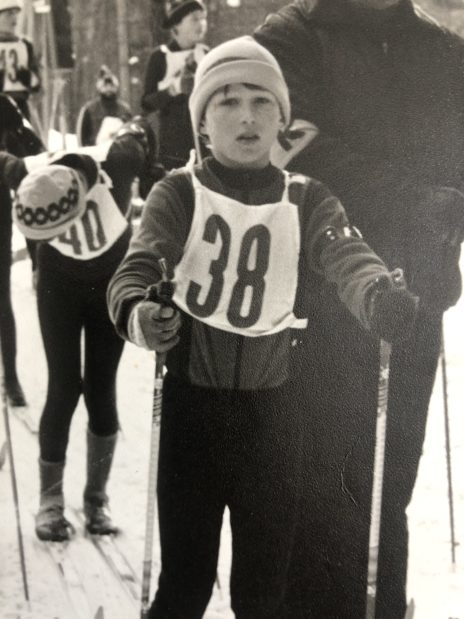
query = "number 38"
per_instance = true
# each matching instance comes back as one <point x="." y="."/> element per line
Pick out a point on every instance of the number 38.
<point x="247" y="278"/>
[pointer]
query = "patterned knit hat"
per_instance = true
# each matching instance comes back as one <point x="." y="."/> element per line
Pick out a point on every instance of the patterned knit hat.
<point x="48" y="200"/>
<point x="178" y="9"/>
<point x="239" y="61"/>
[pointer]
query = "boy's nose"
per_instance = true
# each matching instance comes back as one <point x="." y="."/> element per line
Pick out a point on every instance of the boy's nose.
<point x="248" y="115"/>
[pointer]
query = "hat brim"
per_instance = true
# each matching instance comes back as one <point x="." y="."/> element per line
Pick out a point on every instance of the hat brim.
<point x="178" y="14"/>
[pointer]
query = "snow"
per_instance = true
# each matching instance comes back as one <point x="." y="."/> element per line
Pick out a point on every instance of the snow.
<point x="437" y="587"/>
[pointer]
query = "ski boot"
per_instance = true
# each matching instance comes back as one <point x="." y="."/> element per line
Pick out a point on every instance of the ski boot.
<point x="98" y="519"/>
<point x="51" y="525"/>
<point x="100" y="451"/>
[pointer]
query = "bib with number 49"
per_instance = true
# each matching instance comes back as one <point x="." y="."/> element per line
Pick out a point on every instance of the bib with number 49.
<point x="100" y="226"/>
<point x="239" y="270"/>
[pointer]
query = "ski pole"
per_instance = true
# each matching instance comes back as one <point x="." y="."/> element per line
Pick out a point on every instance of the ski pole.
<point x="14" y="484"/>
<point x="377" y="482"/>
<point x="448" y="448"/>
<point x="158" y="293"/>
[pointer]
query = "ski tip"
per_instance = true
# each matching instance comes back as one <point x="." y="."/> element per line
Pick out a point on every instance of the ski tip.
<point x="410" y="610"/>
<point x="100" y="614"/>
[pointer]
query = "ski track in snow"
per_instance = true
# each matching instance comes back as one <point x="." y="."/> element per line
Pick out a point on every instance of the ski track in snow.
<point x="438" y="589"/>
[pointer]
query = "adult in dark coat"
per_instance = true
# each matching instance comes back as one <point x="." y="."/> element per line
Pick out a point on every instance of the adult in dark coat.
<point x="382" y="85"/>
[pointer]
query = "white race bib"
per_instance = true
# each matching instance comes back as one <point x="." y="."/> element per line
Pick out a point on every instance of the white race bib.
<point x="96" y="230"/>
<point x="175" y="62"/>
<point x="239" y="270"/>
<point x="13" y="56"/>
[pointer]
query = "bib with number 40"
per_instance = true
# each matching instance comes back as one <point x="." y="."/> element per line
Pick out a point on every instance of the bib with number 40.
<point x="239" y="270"/>
<point x="100" y="226"/>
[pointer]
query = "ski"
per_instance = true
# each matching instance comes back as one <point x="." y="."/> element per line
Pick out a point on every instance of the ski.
<point x="114" y="557"/>
<point x="410" y="610"/>
<point x="72" y="586"/>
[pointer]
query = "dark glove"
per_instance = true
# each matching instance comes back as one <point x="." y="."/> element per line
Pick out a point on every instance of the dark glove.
<point x="140" y="128"/>
<point x="24" y="76"/>
<point x="392" y="308"/>
<point x="435" y="235"/>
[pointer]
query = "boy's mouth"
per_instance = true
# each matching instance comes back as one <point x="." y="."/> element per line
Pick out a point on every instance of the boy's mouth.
<point x="248" y="138"/>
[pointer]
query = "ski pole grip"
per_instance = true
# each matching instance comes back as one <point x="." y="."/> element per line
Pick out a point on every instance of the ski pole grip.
<point x="163" y="291"/>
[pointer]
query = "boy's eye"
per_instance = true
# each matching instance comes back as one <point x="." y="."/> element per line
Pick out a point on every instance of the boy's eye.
<point x="263" y="100"/>
<point x="229" y="101"/>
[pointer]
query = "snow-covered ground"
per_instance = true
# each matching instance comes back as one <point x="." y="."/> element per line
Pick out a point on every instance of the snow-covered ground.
<point x="437" y="587"/>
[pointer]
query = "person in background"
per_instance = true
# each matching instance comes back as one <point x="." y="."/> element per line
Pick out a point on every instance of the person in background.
<point x="382" y="86"/>
<point x="17" y="137"/>
<point x="101" y="118"/>
<point x="240" y="236"/>
<point x="169" y="80"/>
<point x="19" y="77"/>
<point x="77" y="254"/>
<point x="19" y="69"/>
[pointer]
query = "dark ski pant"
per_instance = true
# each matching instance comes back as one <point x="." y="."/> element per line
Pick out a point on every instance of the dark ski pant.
<point x="329" y="566"/>
<point x="218" y="448"/>
<point x="67" y="309"/>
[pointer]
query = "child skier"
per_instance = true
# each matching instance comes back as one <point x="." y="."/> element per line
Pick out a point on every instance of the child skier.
<point x="239" y="235"/>
<point x="82" y="211"/>
<point x="169" y="80"/>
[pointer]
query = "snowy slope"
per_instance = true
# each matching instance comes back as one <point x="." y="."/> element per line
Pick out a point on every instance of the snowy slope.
<point x="438" y="591"/>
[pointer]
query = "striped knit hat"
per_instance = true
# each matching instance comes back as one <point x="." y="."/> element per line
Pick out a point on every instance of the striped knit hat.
<point x="239" y="61"/>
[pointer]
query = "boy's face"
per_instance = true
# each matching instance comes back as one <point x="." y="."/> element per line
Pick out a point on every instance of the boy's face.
<point x="9" y="20"/>
<point x="192" y="29"/>
<point x="241" y="124"/>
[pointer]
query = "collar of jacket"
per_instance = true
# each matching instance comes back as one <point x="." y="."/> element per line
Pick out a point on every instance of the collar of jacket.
<point x="247" y="179"/>
<point x="346" y="13"/>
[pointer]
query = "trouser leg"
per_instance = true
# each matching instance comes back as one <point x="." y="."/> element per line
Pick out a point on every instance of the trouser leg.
<point x="266" y="459"/>
<point x="60" y="318"/>
<point x="190" y="504"/>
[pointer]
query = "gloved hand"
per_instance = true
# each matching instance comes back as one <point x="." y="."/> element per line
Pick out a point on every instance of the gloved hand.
<point x="392" y="308"/>
<point x="436" y="231"/>
<point x="154" y="326"/>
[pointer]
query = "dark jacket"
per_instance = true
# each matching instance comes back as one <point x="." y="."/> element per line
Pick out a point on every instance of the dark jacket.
<point x="94" y="112"/>
<point x="173" y="118"/>
<point x="212" y="357"/>
<point x="386" y="91"/>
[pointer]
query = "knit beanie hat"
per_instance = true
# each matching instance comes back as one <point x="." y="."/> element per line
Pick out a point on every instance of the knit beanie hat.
<point x="178" y="9"/>
<point x="5" y="5"/>
<point x="239" y="61"/>
<point x="106" y="78"/>
<point x="48" y="200"/>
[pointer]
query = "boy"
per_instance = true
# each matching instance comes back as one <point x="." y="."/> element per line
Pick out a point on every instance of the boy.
<point x="239" y="235"/>
<point x="169" y="79"/>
